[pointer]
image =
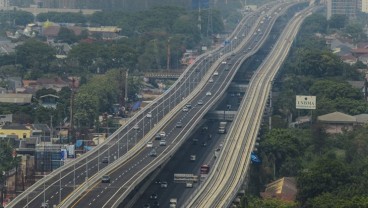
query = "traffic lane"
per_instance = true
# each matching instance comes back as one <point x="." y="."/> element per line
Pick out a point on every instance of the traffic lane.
<point x="181" y="163"/>
<point x="145" y="159"/>
<point x="99" y="194"/>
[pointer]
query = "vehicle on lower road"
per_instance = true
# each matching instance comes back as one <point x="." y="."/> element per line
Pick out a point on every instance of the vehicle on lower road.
<point x="105" y="179"/>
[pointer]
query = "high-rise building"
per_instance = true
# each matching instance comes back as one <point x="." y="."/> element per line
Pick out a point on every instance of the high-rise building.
<point x="342" y="7"/>
<point x="63" y="4"/>
<point x="4" y="3"/>
<point x="364" y="6"/>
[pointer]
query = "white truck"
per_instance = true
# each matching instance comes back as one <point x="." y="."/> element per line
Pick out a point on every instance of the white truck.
<point x="222" y="127"/>
<point x="173" y="202"/>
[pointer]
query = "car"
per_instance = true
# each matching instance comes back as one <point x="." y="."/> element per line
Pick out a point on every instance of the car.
<point x="200" y="102"/>
<point x="105" y="160"/>
<point x="210" y="81"/>
<point x="136" y="127"/>
<point x="153" y="153"/>
<point x="153" y="196"/>
<point x="44" y="205"/>
<point x="188" y="185"/>
<point x="215" y="73"/>
<point x="179" y="124"/>
<point x="224" y="62"/>
<point x="204" y="144"/>
<point x="149" y="144"/>
<point x="195" y="140"/>
<point x="208" y="93"/>
<point x="163" y="184"/>
<point x="162" y="134"/>
<point x="233" y="54"/>
<point x="189" y="106"/>
<point x="185" y="109"/>
<point x="226" y="68"/>
<point x="149" y="115"/>
<point x="147" y="206"/>
<point x="157" y="136"/>
<point x="105" y="179"/>
<point x="163" y="142"/>
<point x="249" y="48"/>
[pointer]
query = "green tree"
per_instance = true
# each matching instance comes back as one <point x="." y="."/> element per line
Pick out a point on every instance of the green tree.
<point x="282" y="144"/>
<point x="66" y="35"/>
<point x="337" y="21"/>
<point x="325" y="176"/>
<point x="36" y="56"/>
<point x="254" y="202"/>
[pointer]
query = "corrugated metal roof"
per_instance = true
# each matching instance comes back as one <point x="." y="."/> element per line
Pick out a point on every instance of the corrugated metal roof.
<point x="15" y="98"/>
<point x="362" y="118"/>
<point x="337" y="117"/>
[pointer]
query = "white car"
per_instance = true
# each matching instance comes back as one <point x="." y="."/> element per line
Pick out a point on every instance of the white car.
<point x="208" y="93"/>
<point x="149" y="115"/>
<point x="215" y="73"/>
<point x="136" y="127"/>
<point x="224" y="62"/>
<point x="210" y="81"/>
<point x="163" y="142"/>
<point x="200" y="102"/>
<point x="185" y="109"/>
<point x="162" y="134"/>
<point x="149" y="144"/>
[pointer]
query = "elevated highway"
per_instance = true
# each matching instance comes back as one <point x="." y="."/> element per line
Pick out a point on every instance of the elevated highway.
<point x="128" y="174"/>
<point x="230" y="169"/>
<point x="77" y="183"/>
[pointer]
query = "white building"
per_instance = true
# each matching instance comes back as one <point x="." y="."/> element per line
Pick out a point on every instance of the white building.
<point x="364" y="4"/>
<point x="4" y="3"/>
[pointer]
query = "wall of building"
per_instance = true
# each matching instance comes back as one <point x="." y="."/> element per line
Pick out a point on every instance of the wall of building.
<point x="343" y="7"/>
<point x="21" y="134"/>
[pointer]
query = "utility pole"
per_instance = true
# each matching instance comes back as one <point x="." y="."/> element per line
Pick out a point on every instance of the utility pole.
<point x="71" y="127"/>
<point x="51" y="128"/>
<point x="168" y="54"/>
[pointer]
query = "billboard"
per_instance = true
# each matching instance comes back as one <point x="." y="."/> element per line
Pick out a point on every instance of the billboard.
<point x="305" y="102"/>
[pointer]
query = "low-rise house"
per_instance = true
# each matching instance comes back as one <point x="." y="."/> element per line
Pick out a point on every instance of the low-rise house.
<point x="47" y="83"/>
<point x="337" y="122"/>
<point x="284" y="189"/>
<point x="21" y="99"/>
<point x="49" y="101"/>
<point x="106" y="33"/>
<point x="349" y="59"/>
<point x="6" y="119"/>
<point x="362" y="119"/>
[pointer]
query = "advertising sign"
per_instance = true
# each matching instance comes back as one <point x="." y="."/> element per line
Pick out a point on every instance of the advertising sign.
<point x="305" y="102"/>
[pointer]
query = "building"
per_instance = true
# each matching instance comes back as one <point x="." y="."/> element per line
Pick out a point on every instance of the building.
<point x="284" y="189"/>
<point x="337" y="122"/>
<point x="4" y="3"/>
<point x="342" y="7"/>
<point x="364" y="6"/>
<point x="106" y="33"/>
<point x="16" y="98"/>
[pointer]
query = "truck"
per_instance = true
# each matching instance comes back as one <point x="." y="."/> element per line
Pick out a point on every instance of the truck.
<point x="173" y="202"/>
<point x="222" y="127"/>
